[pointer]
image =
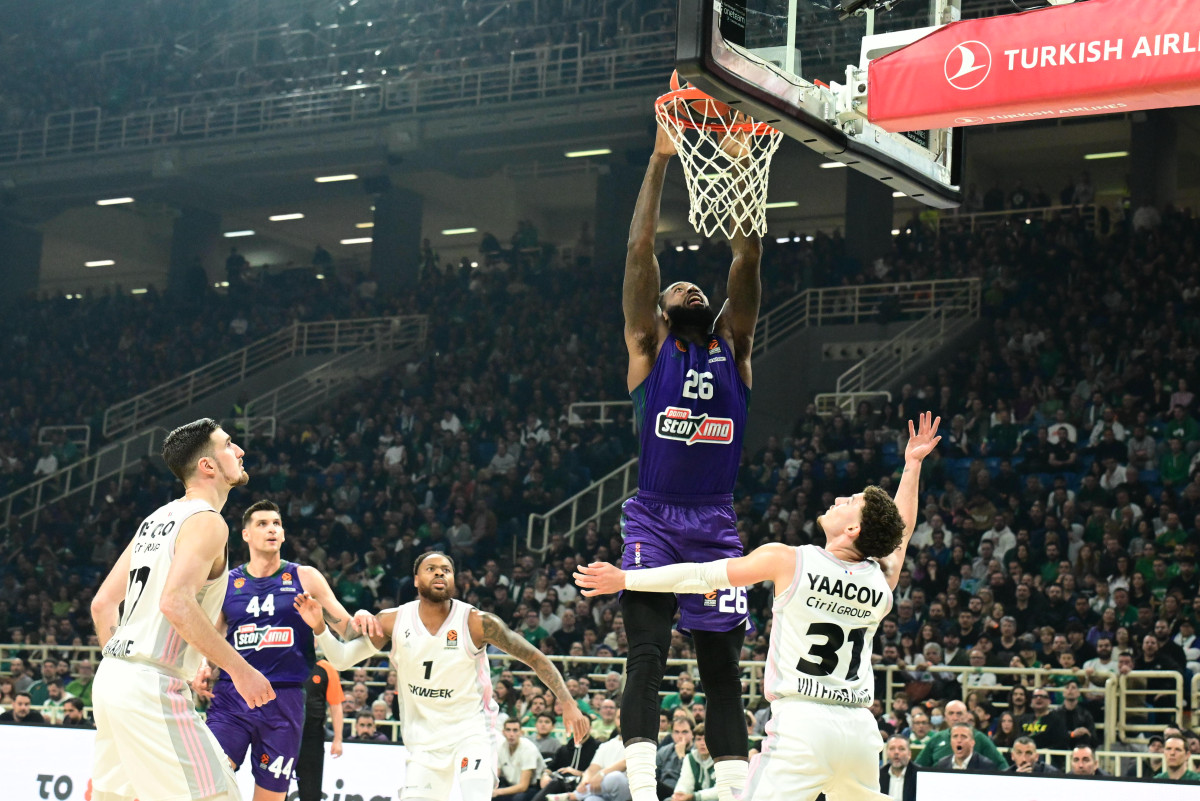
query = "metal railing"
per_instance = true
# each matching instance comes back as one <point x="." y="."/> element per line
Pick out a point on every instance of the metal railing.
<point x="602" y="498"/>
<point x="869" y="303"/>
<point x="987" y="220"/>
<point x="643" y="61"/>
<point x="86" y="475"/>
<point x="79" y="434"/>
<point x="300" y="339"/>
<point x="598" y="412"/>
<point x="829" y="402"/>
<point x="1144" y="718"/>
<point x="896" y="678"/>
<point x="889" y="363"/>
<point x="326" y="380"/>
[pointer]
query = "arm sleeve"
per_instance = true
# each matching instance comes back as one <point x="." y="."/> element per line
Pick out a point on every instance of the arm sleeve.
<point x="688" y="577"/>
<point x="333" y="684"/>
<point x="343" y="655"/>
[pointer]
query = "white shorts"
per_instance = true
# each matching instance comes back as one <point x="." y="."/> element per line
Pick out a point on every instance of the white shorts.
<point x="150" y="743"/>
<point x="430" y="773"/>
<point x="813" y="748"/>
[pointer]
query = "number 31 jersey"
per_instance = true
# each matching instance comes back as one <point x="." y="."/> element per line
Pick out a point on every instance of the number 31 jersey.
<point x="823" y="628"/>
<point x="144" y="634"/>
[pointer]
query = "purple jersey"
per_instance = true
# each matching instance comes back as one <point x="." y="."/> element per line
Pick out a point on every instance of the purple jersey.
<point x="264" y="626"/>
<point x="691" y="416"/>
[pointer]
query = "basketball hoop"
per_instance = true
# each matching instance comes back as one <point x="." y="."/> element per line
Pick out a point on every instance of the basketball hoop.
<point x="726" y="160"/>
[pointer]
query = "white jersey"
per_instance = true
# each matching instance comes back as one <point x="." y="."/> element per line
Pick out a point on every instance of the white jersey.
<point x="443" y="680"/>
<point x="822" y="630"/>
<point x="144" y="634"/>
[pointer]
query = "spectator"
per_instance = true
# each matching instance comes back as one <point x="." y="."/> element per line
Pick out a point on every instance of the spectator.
<point x="1075" y="719"/>
<point x="81" y="686"/>
<point x="898" y="777"/>
<point x="1026" y="760"/>
<point x="602" y="781"/>
<point x="670" y="758"/>
<point x="364" y="730"/>
<point x="1045" y="729"/>
<point x="940" y="748"/>
<point x="39" y="690"/>
<point x="52" y="707"/>
<point x="684" y="696"/>
<point x="1175" y="760"/>
<point x="963" y="756"/>
<point x="520" y="764"/>
<point x="604" y="725"/>
<point x="566" y="768"/>
<point x="21" y="712"/>
<point x="1083" y="762"/>
<point x="73" y="714"/>
<point x="697" y="779"/>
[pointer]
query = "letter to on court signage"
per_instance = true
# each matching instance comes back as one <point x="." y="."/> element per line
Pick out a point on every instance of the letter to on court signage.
<point x="42" y="763"/>
<point x="1099" y="57"/>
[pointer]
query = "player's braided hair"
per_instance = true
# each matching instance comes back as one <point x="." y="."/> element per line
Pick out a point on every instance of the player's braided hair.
<point x="882" y="526"/>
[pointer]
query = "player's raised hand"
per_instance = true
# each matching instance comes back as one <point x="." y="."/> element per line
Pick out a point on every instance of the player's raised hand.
<point x="366" y="623"/>
<point x="599" y="578"/>
<point x="922" y="439"/>
<point x="253" y="686"/>
<point x="310" y="609"/>
<point x="576" y="723"/>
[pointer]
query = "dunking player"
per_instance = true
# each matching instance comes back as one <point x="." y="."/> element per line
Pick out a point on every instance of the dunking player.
<point x="689" y="376"/>
<point x="156" y="611"/>
<point x="828" y="603"/>
<point x="447" y="714"/>
<point x="260" y="621"/>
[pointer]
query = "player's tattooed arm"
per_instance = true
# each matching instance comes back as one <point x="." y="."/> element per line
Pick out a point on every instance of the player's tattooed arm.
<point x="487" y="629"/>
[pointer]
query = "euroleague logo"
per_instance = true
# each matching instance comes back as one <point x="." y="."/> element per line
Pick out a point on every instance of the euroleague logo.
<point x="968" y="65"/>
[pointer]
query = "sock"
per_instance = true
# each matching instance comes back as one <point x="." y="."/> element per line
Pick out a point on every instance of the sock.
<point x="731" y="778"/>
<point x="639" y="769"/>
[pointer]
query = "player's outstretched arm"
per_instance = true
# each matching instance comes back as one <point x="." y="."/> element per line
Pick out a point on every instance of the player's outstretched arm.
<point x="107" y="601"/>
<point x="201" y="544"/>
<point x="488" y="629"/>
<point x="340" y="654"/>
<point x="744" y="292"/>
<point x="773" y="562"/>
<point x="343" y="624"/>
<point x="642" y="280"/>
<point x="921" y="442"/>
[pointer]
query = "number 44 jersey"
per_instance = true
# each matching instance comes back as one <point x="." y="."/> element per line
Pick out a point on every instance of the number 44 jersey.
<point x="823" y="628"/>
<point x="144" y="634"/>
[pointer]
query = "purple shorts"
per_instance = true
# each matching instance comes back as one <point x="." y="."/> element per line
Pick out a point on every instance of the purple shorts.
<point x="272" y="732"/>
<point x="664" y="530"/>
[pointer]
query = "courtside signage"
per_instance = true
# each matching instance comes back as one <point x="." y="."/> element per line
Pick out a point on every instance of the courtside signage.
<point x="1099" y="57"/>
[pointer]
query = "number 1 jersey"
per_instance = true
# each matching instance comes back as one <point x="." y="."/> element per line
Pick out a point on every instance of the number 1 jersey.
<point x="823" y="628"/>
<point x="443" y="681"/>
<point x="144" y="634"/>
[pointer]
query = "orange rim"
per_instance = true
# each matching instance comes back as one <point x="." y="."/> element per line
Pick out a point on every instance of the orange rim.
<point x="691" y="94"/>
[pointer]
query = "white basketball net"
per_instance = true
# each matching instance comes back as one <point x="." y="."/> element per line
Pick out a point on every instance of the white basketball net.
<point x="726" y="167"/>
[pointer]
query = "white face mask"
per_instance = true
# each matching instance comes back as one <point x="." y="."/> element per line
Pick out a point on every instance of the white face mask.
<point x="937" y="720"/>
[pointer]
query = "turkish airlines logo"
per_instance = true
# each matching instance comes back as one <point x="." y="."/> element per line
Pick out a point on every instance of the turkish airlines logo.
<point x="968" y="65"/>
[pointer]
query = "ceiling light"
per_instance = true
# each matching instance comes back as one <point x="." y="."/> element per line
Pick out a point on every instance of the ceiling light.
<point x="809" y="238"/>
<point x="783" y="239"/>
<point x="895" y="232"/>
<point x="320" y="276"/>
<point x="899" y="194"/>
<point x="782" y="204"/>
<point x="329" y="179"/>
<point x="224" y="284"/>
<point x="78" y="296"/>
<point x="362" y="240"/>
<point x="282" y="217"/>
<point x="457" y="231"/>
<point x="364" y="225"/>
<point x="139" y="291"/>
<point x="693" y="247"/>
<point x="114" y="201"/>
<point x="233" y="234"/>
<point x="832" y="165"/>
<point x="99" y="263"/>
<point x="1116" y="154"/>
<point x="581" y="154"/>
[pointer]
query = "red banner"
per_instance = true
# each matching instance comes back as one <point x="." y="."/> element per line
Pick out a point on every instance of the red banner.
<point x="1097" y="57"/>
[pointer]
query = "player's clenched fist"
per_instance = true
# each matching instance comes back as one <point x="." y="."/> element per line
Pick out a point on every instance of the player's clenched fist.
<point x="254" y="688"/>
<point x="599" y="578"/>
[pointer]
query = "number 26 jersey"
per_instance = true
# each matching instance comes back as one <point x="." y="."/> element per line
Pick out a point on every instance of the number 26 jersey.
<point x="823" y="628"/>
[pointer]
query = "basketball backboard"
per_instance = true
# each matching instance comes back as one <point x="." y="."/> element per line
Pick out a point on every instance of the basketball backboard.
<point x="799" y="65"/>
